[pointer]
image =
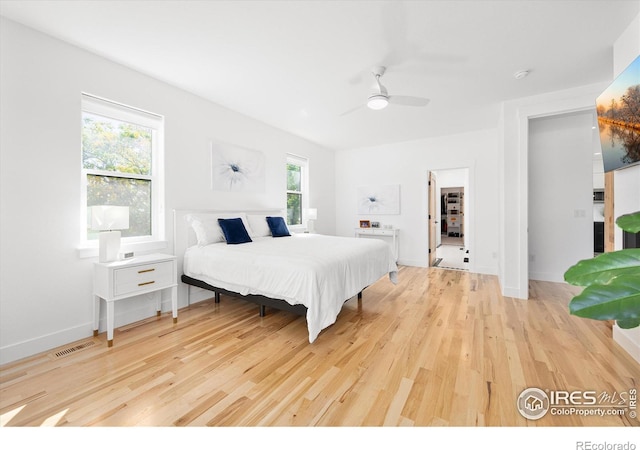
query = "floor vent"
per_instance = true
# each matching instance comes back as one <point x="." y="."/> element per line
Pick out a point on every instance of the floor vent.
<point x="68" y="351"/>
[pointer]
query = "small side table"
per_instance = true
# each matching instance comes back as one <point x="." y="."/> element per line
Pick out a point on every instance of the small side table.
<point x="381" y="232"/>
<point x="118" y="280"/>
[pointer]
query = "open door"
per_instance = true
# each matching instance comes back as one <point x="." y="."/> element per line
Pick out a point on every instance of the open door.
<point x="432" y="218"/>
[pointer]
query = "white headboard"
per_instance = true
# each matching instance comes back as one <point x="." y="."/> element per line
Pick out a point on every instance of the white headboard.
<point x="184" y="237"/>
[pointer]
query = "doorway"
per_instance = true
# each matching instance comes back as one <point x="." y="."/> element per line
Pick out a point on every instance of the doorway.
<point x="560" y="203"/>
<point x="448" y="207"/>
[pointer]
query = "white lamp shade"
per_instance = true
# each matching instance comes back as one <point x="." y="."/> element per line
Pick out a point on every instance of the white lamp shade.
<point x="107" y="217"/>
<point x="312" y="213"/>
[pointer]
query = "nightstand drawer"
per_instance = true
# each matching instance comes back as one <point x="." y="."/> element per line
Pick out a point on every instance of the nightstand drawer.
<point x="142" y="278"/>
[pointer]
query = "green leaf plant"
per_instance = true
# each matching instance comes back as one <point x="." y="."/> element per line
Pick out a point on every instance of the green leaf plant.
<point x="611" y="282"/>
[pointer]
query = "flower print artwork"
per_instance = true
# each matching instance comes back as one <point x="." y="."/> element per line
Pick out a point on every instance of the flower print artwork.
<point x="236" y="169"/>
<point x="371" y="203"/>
<point x="379" y="199"/>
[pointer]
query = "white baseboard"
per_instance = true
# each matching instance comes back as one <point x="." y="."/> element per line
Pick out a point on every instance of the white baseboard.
<point x="25" y="349"/>
<point x="515" y="293"/>
<point x="546" y="276"/>
<point x="486" y="270"/>
<point x="628" y="340"/>
<point x="412" y="263"/>
<point x="198" y="295"/>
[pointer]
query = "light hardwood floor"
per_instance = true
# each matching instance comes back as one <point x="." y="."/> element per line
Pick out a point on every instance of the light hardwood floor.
<point x="441" y="348"/>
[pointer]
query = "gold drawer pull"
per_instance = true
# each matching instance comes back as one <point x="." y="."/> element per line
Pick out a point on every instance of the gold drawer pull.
<point x="144" y="284"/>
<point x="146" y="270"/>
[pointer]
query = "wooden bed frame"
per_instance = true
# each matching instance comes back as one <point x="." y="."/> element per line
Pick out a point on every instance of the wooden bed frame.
<point x="184" y="237"/>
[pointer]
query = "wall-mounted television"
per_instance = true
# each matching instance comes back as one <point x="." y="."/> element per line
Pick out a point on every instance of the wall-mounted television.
<point x="618" y="110"/>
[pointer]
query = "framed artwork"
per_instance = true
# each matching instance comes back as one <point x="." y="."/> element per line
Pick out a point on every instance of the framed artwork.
<point x="379" y="199"/>
<point x="365" y="224"/>
<point x="619" y="121"/>
<point x="236" y="169"/>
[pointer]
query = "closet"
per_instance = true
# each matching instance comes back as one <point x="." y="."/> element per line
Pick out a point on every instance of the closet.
<point x="452" y="212"/>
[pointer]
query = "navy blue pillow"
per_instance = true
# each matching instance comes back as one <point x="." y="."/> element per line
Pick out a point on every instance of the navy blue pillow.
<point x="234" y="231"/>
<point x="277" y="226"/>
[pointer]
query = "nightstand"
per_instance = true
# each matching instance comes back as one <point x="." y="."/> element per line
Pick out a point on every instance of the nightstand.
<point x="119" y="280"/>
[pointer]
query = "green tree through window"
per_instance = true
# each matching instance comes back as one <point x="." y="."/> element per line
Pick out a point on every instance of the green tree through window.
<point x="294" y="194"/>
<point x="297" y="190"/>
<point x="117" y="157"/>
<point x="118" y="145"/>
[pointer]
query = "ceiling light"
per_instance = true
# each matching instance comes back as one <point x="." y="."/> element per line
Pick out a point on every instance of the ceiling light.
<point x="520" y="74"/>
<point x="378" y="101"/>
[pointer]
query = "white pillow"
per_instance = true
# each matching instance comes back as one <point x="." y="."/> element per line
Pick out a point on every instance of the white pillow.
<point x="207" y="229"/>
<point x="259" y="226"/>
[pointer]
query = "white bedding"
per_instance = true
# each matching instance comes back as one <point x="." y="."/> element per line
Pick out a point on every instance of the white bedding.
<point x="320" y="272"/>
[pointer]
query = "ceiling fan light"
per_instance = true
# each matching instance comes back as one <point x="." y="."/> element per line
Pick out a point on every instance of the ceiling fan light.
<point x="377" y="102"/>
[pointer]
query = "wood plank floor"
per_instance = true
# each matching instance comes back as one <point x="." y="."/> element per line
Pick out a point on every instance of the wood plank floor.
<point x="441" y="348"/>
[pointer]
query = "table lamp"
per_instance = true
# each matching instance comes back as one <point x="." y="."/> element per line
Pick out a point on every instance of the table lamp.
<point x="312" y="215"/>
<point x="109" y="220"/>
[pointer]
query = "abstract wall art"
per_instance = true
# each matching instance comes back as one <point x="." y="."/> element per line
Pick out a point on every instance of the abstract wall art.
<point x="379" y="199"/>
<point x="236" y="169"/>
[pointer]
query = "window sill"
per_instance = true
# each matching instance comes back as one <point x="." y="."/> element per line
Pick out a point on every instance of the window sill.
<point x="136" y="247"/>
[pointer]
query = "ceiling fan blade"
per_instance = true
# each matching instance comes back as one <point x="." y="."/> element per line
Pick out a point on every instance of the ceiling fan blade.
<point x="349" y="111"/>
<point x="408" y="101"/>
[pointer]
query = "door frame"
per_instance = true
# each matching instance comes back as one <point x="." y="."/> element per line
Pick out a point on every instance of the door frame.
<point x="469" y="196"/>
<point x="432" y="242"/>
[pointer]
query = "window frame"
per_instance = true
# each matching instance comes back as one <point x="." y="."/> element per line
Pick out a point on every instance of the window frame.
<point x="303" y="163"/>
<point x="124" y="113"/>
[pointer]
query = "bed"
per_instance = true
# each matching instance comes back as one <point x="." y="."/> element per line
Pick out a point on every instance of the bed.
<point x="309" y="274"/>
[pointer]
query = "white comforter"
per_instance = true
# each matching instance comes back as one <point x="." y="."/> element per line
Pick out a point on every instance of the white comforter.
<point x="320" y="272"/>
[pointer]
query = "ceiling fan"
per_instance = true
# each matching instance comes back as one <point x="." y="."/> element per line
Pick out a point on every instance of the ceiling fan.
<point x="380" y="98"/>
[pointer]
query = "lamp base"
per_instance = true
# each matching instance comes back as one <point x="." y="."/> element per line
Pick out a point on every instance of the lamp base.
<point x="109" y="244"/>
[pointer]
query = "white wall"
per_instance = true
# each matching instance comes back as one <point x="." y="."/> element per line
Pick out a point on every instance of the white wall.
<point x="598" y="170"/>
<point x="513" y="154"/>
<point x="408" y="164"/>
<point x="560" y="188"/>
<point x="45" y="288"/>
<point x="513" y="269"/>
<point x="626" y="183"/>
<point x="626" y="200"/>
<point x="626" y="196"/>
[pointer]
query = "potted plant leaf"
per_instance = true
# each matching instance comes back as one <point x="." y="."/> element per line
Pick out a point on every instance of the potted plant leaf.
<point x="611" y="282"/>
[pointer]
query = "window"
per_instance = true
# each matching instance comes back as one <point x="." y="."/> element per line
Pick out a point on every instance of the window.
<point x="297" y="190"/>
<point x="122" y="150"/>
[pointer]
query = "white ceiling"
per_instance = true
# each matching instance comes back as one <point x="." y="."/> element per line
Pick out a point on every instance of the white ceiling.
<point x="298" y="65"/>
